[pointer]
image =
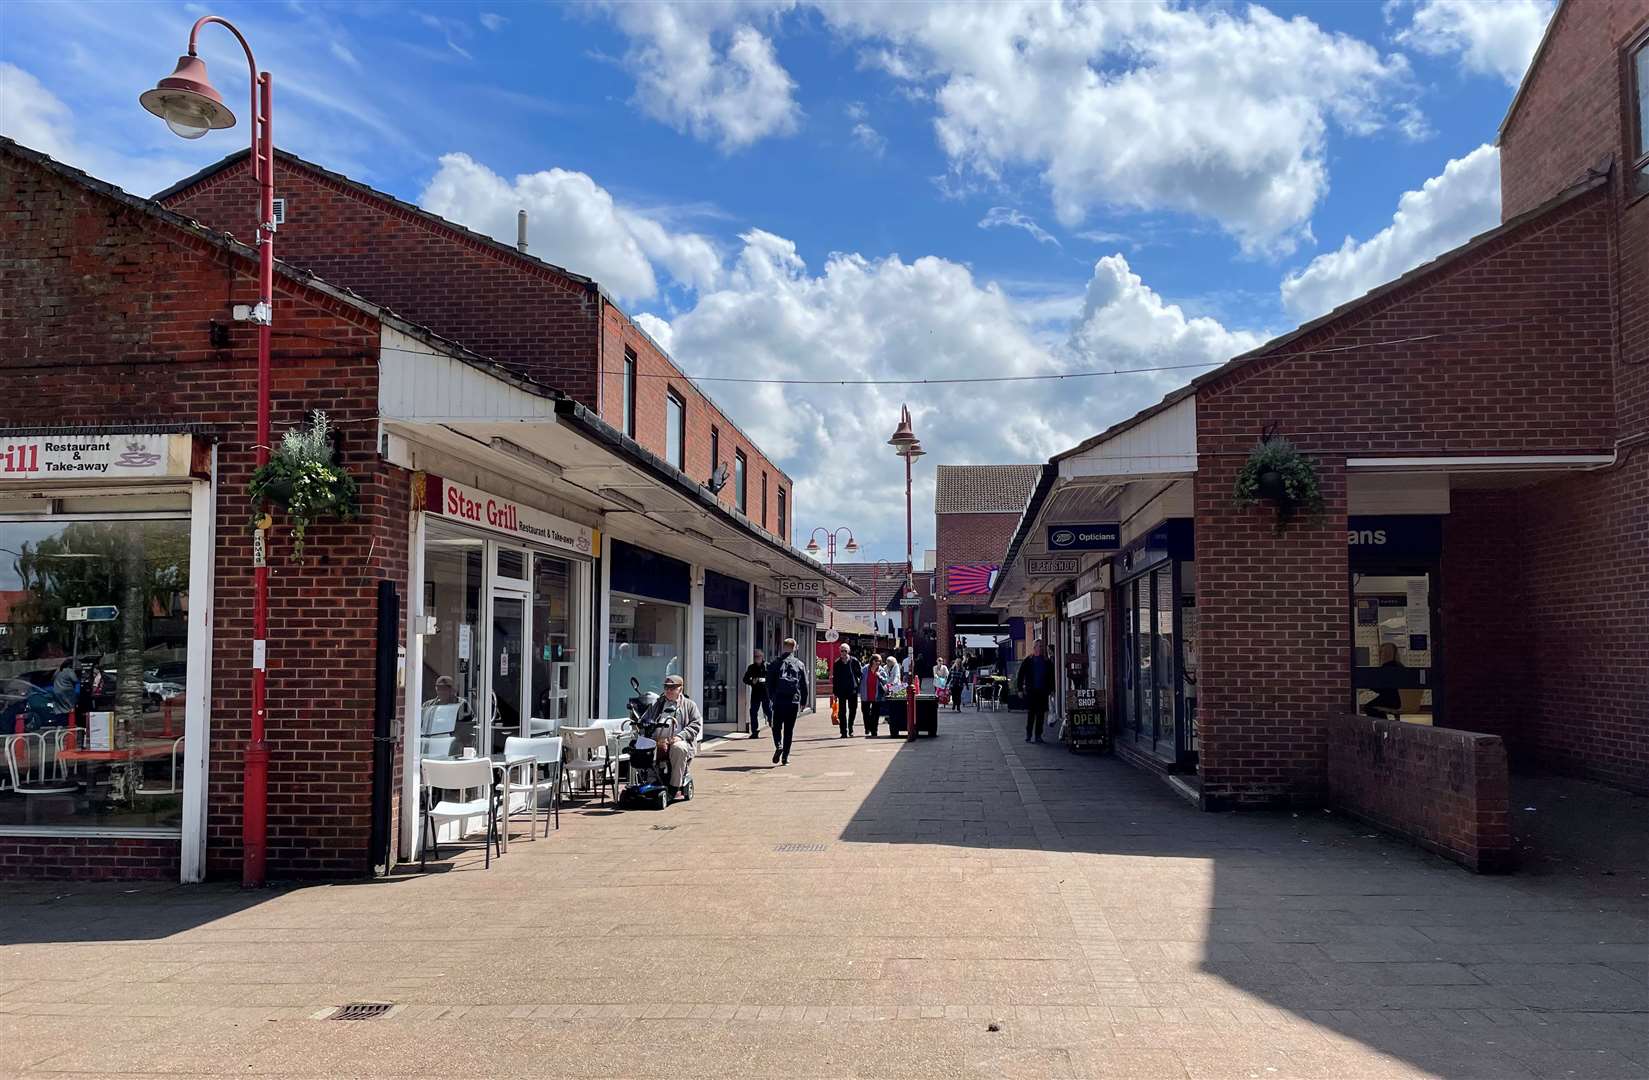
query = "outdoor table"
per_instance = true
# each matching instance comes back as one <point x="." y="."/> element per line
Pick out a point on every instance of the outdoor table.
<point x="143" y="752"/>
<point x="505" y="764"/>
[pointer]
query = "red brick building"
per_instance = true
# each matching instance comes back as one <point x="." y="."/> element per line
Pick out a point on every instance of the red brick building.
<point x="549" y="324"/>
<point x="508" y="540"/>
<point x="1478" y="426"/>
<point x="975" y="509"/>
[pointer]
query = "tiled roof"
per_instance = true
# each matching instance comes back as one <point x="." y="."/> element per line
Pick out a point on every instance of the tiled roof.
<point x="983" y="489"/>
<point x="886" y="583"/>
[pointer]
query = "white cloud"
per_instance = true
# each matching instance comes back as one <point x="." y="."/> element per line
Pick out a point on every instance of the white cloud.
<point x="705" y="69"/>
<point x="1000" y="217"/>
<point x="863" y="134"/>
<point x="887" y="318"/>
<point x="1444" y="213"/>
<point x="1496" y="38"/>
<point x="573" y="222"/>
<point x="492" y="20"/>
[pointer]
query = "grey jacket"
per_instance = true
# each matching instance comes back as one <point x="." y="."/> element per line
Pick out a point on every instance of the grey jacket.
<point x="688" y="724"/>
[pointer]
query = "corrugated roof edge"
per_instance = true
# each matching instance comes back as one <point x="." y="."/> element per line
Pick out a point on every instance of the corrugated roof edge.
<point x="302" y="278"/>
<point x="497" y="246"/>
<point x="588" y="422"/>
<point x="1033" y="506"/>
<point x="1263" y="352"/>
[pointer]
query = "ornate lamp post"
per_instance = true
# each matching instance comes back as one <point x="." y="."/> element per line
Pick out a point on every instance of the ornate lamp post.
<point x="907" y="446"/>
<point x="830" y="542"/>
<point x="191" y="107"/>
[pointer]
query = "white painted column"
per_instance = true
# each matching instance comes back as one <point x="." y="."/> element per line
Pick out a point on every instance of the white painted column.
<point x="411" y="839"/>
<point x="584" y="647"/>
<point x="694" y="667"/>
<point x="604" y="603"/>
<point x="197" y="709"/>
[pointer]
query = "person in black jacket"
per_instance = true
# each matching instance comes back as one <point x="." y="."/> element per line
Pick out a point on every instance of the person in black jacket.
<point x="844" y="685"/>
<point x="755" y="677"/>
<point x="1036" y="682"/>
<point x="786" y="683"/>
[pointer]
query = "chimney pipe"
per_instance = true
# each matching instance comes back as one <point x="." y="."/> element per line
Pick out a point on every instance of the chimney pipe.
<point x="521" y="230"/>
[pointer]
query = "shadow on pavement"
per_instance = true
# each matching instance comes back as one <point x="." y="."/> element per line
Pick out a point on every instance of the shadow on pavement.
<point x="1536" y="974"/>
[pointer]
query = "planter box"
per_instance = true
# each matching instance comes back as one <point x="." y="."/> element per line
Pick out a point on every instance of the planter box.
<point x="927" y="715"/>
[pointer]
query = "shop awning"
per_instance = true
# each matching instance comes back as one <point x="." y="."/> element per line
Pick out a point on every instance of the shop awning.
<point x="444" y="414"/>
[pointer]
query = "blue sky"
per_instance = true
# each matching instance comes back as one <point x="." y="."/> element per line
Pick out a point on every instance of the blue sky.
<point x="786" y="189"/>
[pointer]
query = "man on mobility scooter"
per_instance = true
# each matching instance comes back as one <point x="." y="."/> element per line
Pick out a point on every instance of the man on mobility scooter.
<point x="674" y="723"/>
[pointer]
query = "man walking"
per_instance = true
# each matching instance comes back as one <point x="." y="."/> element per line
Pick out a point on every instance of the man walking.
<point x="844" y="685"/>
<point x="1036" y="682"/>
<point x="755" y="677"/>
<point x="786" y="682"/>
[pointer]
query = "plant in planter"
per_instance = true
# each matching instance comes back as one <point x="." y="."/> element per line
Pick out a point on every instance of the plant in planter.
<point x="1276" y="472"/>
<point x="304" y="478"/>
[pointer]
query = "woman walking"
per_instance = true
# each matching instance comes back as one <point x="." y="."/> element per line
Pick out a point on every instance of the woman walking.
<point x="870" y="682"/>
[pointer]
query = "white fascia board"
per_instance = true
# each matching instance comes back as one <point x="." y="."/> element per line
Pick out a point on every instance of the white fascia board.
<point x="1509" y="463"/>
<point x="1164" y="445"/>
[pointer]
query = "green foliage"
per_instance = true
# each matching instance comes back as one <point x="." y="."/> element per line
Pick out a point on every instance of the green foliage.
<point x="821" y="670"/>
<point x="1297" y="487"/>
<point x="302" y="477"/>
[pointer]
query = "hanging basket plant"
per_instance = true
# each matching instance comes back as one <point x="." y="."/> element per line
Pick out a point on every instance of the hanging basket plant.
<point x="303" y="478"/>
<point x="1276" y="472"/>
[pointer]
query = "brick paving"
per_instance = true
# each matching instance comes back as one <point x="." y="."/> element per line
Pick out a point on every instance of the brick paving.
<point x="871" y="910"/>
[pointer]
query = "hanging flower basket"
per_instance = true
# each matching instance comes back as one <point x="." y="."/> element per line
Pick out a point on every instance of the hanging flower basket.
<point x="1276" y="472"/>
<point x="304" y="479"/>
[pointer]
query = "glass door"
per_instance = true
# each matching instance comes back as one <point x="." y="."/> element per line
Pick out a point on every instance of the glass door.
<point x="721" y="670"/>
<point x="1394" y="646"/>
<point x="506" y="654"/>
<point x="1164" y="605"/>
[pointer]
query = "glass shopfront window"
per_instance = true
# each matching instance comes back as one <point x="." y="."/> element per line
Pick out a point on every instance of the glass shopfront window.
<point x="554" y="652"/>
<point x="721" y="669"/>
<point x="450" y="720"/>
<point x="93" y="668"/>
<point x="646" y="640"/>
<point x="1392" y="645"/>
<point x="1157" y="673"/>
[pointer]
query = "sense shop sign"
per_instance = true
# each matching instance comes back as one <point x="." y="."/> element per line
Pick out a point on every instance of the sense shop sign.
<point x="94" y="456"/>
<point x="493" y="512"/>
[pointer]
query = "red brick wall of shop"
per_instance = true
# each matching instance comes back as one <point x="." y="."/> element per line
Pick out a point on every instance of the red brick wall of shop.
<point x="522" y="314"/>
<point x="656" y="376"/>
<point x="1573" y="113"/>
<point x="1273" y="606"/>
<point x="1485" y="632"/>
<point x="104" y="315"/>
<point x="82" y="858"/>
<point x="960" y="539"/>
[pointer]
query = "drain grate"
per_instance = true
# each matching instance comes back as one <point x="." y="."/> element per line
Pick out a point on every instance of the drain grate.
<point x="361" y="1010"/>
<point x="797" y="849"/>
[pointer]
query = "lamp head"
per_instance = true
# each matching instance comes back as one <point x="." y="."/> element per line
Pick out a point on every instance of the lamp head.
<point x="903" y="437"/>
<point x="187" y="100"/>
<point x="852" y="545"/>
<point x="812" y="546"/>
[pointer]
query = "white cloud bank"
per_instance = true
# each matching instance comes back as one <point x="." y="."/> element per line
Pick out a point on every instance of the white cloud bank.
<point x="1493" y="38"/>
<point x="1444" y="213"/>
<point x="573" y="222"/>
<point x="1216" y="113"/>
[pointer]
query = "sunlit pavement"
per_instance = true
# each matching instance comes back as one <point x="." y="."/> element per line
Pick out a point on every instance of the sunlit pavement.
<point x="965" y="906"/>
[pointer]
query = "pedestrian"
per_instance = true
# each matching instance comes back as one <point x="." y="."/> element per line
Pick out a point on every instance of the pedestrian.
<point x="755" y="677"/>
<point x="680" y="744"/>
<point x="941" y="678"/>
<point x="844" y="684"/>
<point x="958" y="681"/>
<point x="870" y="685"/>
<point x="1036" y="683"/>
<point x="786" y="682"/>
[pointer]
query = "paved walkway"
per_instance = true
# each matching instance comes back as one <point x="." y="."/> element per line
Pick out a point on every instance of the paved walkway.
<point x="965" y="906"/>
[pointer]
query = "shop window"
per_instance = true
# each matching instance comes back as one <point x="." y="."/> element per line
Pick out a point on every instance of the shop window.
<point x="450" y="719"/>
<point x="629" y="392"/>
<point x="675" y="430"/>
<point x="780" y="522"/>
<point x="740" y="488"/>
<point x="512" y="564"/>
<point x="94" y="643"/>
<point x="720" y="696"/>
<point x="554" y="615"/>
<point x="645" y="641"/>
<point x="1392" y="645"/>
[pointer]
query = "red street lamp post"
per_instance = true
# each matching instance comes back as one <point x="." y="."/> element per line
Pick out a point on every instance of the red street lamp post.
<point x="830" y="541"/>
<point x="907" y="446"/>
<point x="191" y="107"/>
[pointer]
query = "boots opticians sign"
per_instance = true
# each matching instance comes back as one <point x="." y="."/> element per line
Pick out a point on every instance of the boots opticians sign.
<point x="94" y="456"/>
<point x="507" y="516"/>
<point x="1096" y="536"/>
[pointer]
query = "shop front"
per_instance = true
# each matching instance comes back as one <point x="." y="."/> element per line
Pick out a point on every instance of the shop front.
<point x="727" y="649"/>
<point x="1155" y="599"/>
<point x="105" y="591"/>
<point x="499" y="636"/>
<point x="650" y="599"/>
<point x="1396" y="664"/>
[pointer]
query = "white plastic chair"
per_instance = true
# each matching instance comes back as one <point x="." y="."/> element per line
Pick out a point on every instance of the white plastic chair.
<point x="172" y="787"/>
<point x="17" y="746"/>
<point x="587" y="755"/>
<point x="439" y="747"/>
<point x="461" y="776"/>
<point x="544" y="772"/>
<point x="541" y="725"/>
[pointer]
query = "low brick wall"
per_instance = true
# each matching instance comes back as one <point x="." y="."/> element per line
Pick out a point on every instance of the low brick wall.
<point x="1444" y="789"/>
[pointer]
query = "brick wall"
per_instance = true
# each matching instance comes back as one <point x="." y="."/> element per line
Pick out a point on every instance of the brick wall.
<point x="104" y="315"/>
<point x="1485" y="633"/>
<point x="1585" y="548"/>
<point x="83" y="858"/>
<point x="1273" y="606"/>
<point x="520" y="313"/>
<point x="960" y="539"/>
<point x="1444" y="789"/>
<point x="656" y="377"/>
